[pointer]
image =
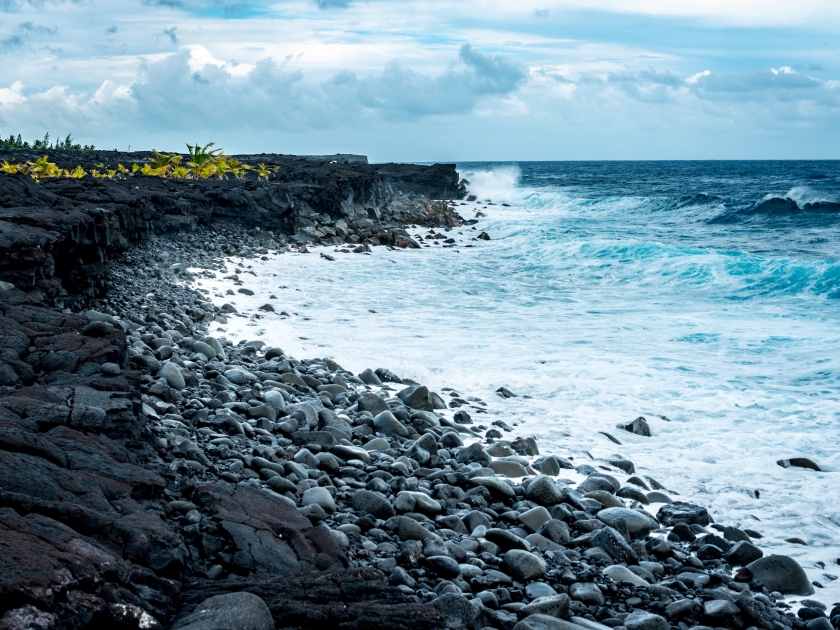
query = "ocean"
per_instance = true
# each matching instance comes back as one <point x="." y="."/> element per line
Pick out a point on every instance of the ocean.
<point x="704" y="296"/>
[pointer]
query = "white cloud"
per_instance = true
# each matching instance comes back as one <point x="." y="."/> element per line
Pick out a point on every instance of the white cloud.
<point x="694" y="78"/>
<point x="12" y="95"/>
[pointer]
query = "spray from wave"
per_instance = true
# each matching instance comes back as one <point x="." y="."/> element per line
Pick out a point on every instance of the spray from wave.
<point x="499" y="184"/>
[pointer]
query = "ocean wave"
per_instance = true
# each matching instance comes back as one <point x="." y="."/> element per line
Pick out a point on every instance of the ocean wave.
<point x="799" y="203"/>
<point x="658" y="269"/>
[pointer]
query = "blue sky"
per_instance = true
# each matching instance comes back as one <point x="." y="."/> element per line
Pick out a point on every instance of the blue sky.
<point x="433" y="80"/>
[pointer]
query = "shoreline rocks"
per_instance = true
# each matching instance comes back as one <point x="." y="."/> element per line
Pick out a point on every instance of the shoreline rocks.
<point x="176" y="477"/>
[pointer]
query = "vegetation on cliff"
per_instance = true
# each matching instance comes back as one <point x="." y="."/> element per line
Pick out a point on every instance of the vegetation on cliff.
<point x="203" y="162"/>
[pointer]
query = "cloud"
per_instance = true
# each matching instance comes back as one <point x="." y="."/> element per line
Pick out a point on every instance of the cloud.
<point x="214" y="8"/>
<point x="13" y="6"/>
<point x="332" y="4"/>
<point x="170" y="33"/>
<point x="23" y="36"/>
<point x="173" y="94"/>
<point x="111" y="30"/>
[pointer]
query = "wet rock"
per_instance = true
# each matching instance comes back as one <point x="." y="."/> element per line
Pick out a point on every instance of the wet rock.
<point x="556" y="531"/>
<point x="172" y="373"/>
<point x="455" y="610"/>
<point x="642" y="620"/>
<point x="544" y="622"/>
<point x="544" y="491"/>
<point x="639" y="426"/>
<point x="587" y="592"/>
<point x="524" y="565"/>
<point x="319" y="496"/>
<point x="497" y="487"/>
<point x="551" y="605"/>
<point x="614" y="545"/>
<point x="783" y="574"/>
<point x="799" y="462"/>
<point x="720" y="610"/>
<point x="508" y="469"/>
<point x="372" y="503"/>
<point x="386" y="423"/>
<point x="619" y="573"/>
<point x="680" y="512"/>
<point x="243" y="611"/>
<point x="534" y="518"/>
<point x="743" y="553"/>
<point x="638" y="524"/>
<point x="443" y="566"/>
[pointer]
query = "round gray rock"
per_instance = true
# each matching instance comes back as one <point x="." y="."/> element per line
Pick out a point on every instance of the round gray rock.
<point x="372" y="503"/>
<point x="638" y="525"/>
<point x="386" y="423"/>
<point x="783" y="574"/>
<point x="172" y="373"/>
<point x="641" y="620"/>
<point x="543" y="490"/>
<point x="524" y="565"/>
<point x="319" y="496"/>
<point x="243" y="611"/>
<point x="545" y="622"/>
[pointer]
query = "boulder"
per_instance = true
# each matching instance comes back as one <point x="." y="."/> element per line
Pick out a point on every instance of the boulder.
<point x="641" y="620"/>
<point x="638" y="524"/>
<point x="372" y="503"/>
<point x="783" y="574"/>
<point x="639" y="426"/>
<point x="543" y="490"/>
<point x="551" y="605"/>
<point x="386" y="423"/>
<point x="243" y="611"/>
<point x="680" y="512"/>
<point x="524" y="565"/>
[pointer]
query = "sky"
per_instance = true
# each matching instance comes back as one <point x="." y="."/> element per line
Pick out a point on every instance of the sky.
<point x="429" y="80"/>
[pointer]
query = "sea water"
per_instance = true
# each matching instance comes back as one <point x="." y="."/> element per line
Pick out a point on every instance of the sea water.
<point x="704" y="296"/>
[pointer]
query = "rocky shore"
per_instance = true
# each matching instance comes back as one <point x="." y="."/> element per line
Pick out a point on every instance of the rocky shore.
<point x="153" y="476"/>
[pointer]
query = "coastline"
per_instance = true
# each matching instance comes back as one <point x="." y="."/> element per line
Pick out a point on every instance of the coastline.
<point x="564" y="552"/>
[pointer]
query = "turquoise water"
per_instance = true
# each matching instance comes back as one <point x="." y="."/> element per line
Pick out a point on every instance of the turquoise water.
<point x="703" y="296"/>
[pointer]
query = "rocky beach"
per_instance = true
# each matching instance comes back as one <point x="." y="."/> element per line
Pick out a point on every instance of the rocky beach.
<point x="155" y="474"/>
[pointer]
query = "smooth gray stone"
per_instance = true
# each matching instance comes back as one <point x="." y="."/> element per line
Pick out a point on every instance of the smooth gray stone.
<point x="743" y="553"/>
<point x="372" y="503"/>
<point x="720" y="608"/>
<point x="524" y="565"/>
<point x="638" y="524"/>
<point x="556" y="531"/>
<point x="243" y="611"/>
<point x="386" y="423"/>
<point x="319" y="496"/>
<point x="614" y="545"/>
<point x="618" y="573"/>
<point x="172" y="373"/>
<point x="369" y="377"/>
<point x="455" y="609"/>
<point x="641" y="620"/>
<point x="548" y="465"/>
<point x="587" y="592"/>
<point x="444" y="566"/>
<point x="783" y="574"/>
<point x="534" y="518"/>
<point x="543" y="490"/>
<point x="551" y="605"/>
<point x="681" y="608"/>
<point x="544" y="622"/>
<point x="372" y="403"/>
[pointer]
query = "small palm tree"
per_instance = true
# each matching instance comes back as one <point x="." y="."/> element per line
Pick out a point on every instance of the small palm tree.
<point x="203" y="157"/>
